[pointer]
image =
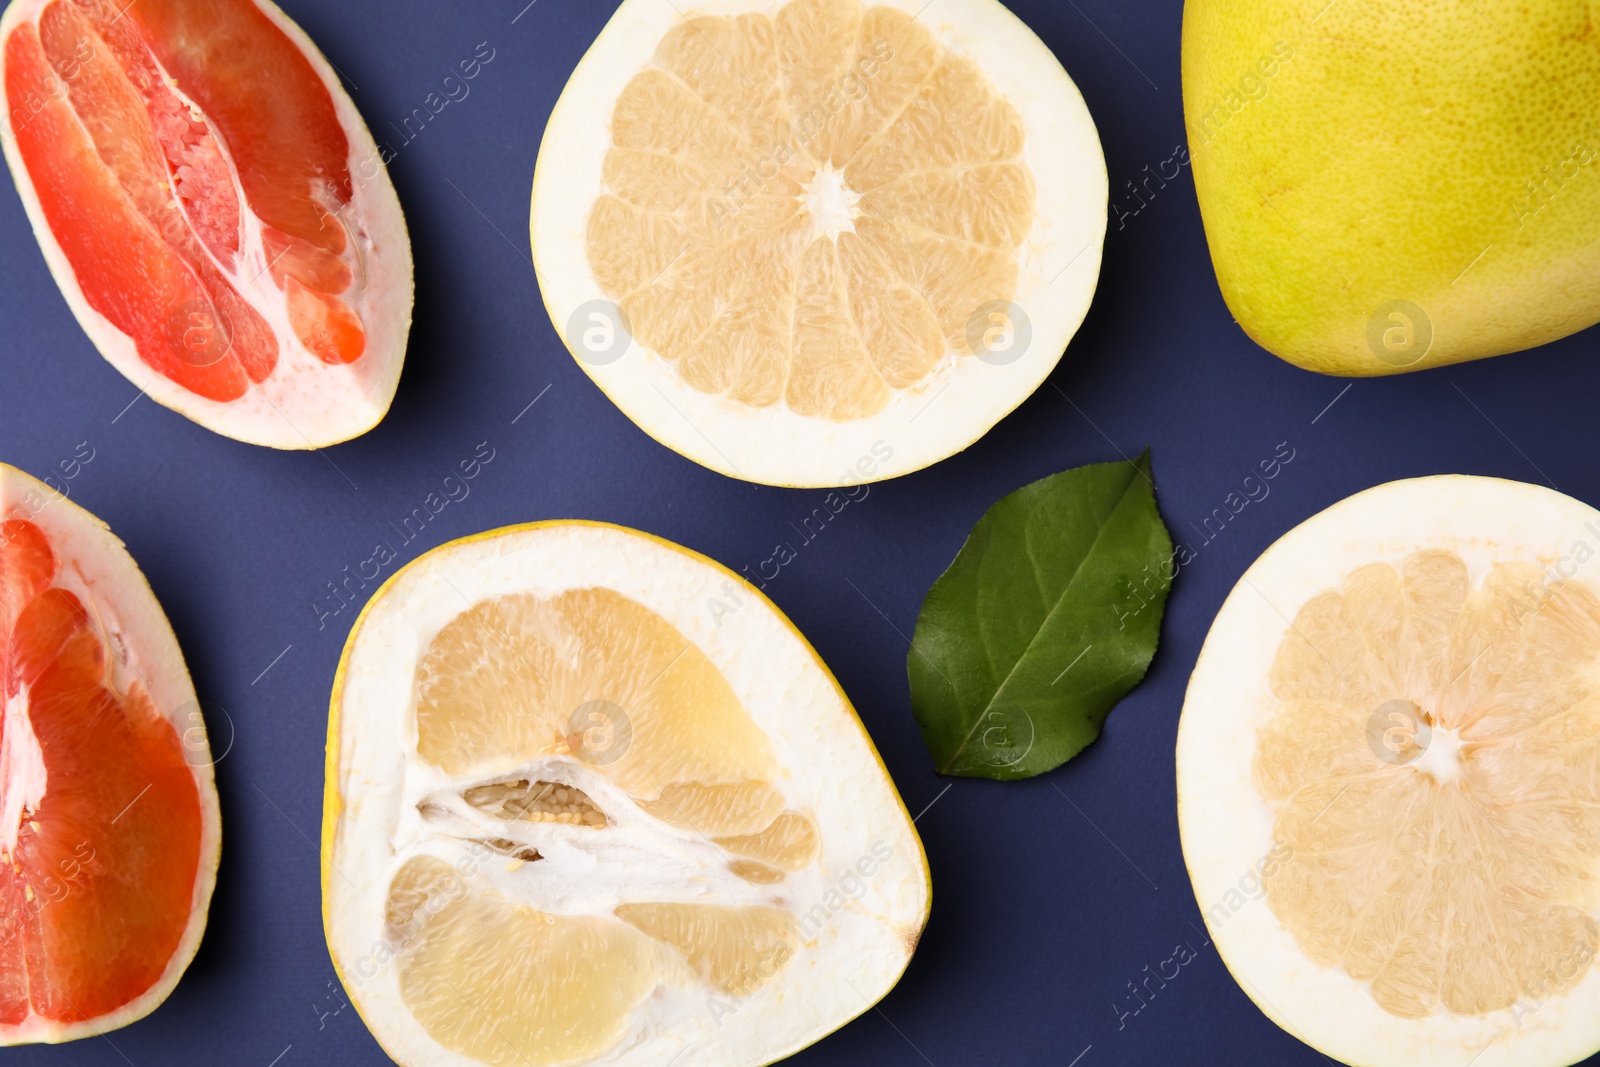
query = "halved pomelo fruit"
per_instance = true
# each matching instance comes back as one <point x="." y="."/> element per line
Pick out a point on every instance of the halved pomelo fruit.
<point x="109" y="827"/>
<point x="1389" y="777"/>
<point x="792" y="238"/>
<point x="592" y="799"/>
<point x="213" y="208"/>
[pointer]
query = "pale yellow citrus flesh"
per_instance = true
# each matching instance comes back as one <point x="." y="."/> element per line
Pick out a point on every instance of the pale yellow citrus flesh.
<point x="1450" y="866"/>
<point x="593" y="677"/>
<point x="809" y="209"/>
<point x="735" y="949"/>
<point x="508" y="985"/>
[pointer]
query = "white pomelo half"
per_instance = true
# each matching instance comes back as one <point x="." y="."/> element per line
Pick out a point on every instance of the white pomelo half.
<point x="787" y="327"/>
<point x="1388" y="780"/>
<point x="725" y="875"/>
<point x="145" y="671"/>
<point x="304" y="403"/>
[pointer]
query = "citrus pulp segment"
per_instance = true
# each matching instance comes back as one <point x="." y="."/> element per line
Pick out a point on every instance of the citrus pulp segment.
<point x="213" y="209"/>
<point x="1389" y="777"/>
<point x="779" y="234"/>
<point x="577" y="815"/>
<point x="109" y="826"/>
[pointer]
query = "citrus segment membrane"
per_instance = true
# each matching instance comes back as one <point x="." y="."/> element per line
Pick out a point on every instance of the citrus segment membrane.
<point x="597" y="844"/>
<point x="738" y="950"/>
<point x="107" y="819"/>
<point x="188" y="168"/>
<point x="1389" y="773"/>
<point x="1446" y="883"/>
<point x="790" y="842"/>
<point x="806" y="208"/>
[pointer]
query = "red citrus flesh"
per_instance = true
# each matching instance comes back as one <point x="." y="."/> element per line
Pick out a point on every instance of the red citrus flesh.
<point x="101" y="841"/>
<point x="173" y="145"/>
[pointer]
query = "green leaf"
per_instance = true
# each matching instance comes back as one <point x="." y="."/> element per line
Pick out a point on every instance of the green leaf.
<point x="1049" y="615"/>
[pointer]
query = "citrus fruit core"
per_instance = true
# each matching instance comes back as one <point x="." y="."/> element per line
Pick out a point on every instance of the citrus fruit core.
<point x="808" y="208"/>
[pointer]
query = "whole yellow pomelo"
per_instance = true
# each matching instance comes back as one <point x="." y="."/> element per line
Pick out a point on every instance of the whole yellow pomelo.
<point x="1389" y="185"/>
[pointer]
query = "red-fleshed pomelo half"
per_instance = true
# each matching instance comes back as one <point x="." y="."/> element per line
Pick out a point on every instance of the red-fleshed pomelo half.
<point x="213" y="208"/>
<point x="109" y="827"/>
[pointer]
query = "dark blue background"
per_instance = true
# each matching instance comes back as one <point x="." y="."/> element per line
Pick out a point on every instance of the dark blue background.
<point x="1050" y="895"/>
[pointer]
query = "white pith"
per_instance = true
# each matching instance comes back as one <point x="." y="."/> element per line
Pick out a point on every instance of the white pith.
<point x="832" y="204"/>
<point x="1442" y="756"/>
<point x="304" y="403"/>
<point x="1227" y="828"/>
<point x="22" y="772"/>
<point x="859" y="949"/>
<point x="141" y="650"/>
<point x="964" y="396"/>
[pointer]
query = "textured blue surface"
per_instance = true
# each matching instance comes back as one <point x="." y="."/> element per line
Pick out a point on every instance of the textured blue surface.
<point x="1050" y="895"/>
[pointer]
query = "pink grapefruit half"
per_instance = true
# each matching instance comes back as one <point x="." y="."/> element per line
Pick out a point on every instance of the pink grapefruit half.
<point x="109" y="826"/>
<point x="213" y="208"/>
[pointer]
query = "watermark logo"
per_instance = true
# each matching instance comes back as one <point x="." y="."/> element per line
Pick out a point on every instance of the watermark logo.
<point x="740" y="189"/>
<point x="1400" y="333"/>
<point x="384" y="950"/>
<point x="453" y="88"/>
<point x="1150" y="186"/>
<point x="66" y="71"/>
<point x="347" y="588"/>
<point x="1005" y="737"/>
<point x="196" y="738"/>
<point x="41" y="892"/>
<point x="805" y="531"/>
<point x="57" y="485"/>
<point x="1397" y="733"/>
<point x="1252" y="86"/>
<point x="1538" y="192"/>
<point x="599" y="732"/>
<point x="198" y="332"/>
<point x="599" y="333"/>
<point x="1557" y="977"/>
<point x="999" y="332"/>
<point x="851" y="886"/>
<point x="331" y="1004"/>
